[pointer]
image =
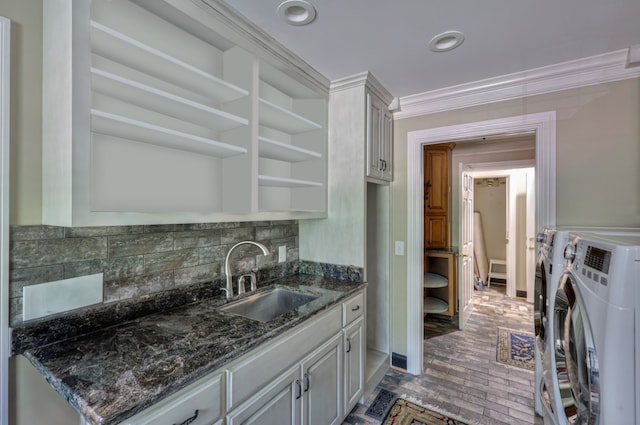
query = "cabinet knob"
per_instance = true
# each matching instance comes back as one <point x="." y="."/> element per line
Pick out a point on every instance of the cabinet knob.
<point x="356" y="308"/>
<point x="349" y="343"/>
<point x="306" y="381"/>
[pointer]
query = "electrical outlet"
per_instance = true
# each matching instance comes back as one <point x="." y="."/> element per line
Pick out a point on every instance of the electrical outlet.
<point x="282" y="254"/>
<point x="399" y="247"/>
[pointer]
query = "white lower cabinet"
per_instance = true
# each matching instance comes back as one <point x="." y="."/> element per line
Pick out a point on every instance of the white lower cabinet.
<point x="198" y="404"/>
<point x="277" y="404"/>
<point x="322" y="384"/>
<point x="309" y="393"/>
<point x="354" y="363"/>
<point x="311" y="375"/>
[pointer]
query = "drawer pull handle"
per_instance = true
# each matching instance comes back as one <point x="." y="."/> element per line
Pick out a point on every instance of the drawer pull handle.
<point x="189" y="420"/>
<point x="299" y="389"/>
<point x="356" y="308"/>
<point x="349" y="342"/>
<point x="306" y="380"/>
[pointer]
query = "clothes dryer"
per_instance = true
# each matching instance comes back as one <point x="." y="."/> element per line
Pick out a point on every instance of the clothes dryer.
<point x="596" y="325"/>
<point x="552" y="392"/>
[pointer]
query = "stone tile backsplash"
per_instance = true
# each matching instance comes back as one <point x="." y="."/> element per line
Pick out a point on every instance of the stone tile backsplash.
<point x="141" y="260"/>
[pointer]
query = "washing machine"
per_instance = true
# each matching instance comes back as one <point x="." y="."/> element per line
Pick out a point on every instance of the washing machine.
<point x="549" y="268"/>
<point x="595" y="330"/>
<point x="552" y="391"/>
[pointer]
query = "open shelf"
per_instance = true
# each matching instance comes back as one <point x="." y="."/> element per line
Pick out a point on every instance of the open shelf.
<point x="274" y="116"/>
<point x="434" y="280"/>
<point x="434" y="305"/>
<point x="126" y="128"/>
<point x="286" y="182"/>
<point x="132" y="53"/>
<point x="281" y="151"/>
<point x="163" y="102"/>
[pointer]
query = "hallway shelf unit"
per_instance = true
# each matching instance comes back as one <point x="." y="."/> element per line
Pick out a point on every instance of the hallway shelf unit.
<point x="440" y="282"/>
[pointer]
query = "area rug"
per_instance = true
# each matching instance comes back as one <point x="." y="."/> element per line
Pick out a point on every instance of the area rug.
<point x="381" y="404"/>
<point x="406" y="413"/>
<point x="516" y="348"/>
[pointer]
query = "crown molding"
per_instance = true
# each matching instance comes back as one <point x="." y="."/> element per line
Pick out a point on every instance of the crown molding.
<point x="259" y="42"/>
<point x="361" y="79"/>
<point x="567" y="75"/>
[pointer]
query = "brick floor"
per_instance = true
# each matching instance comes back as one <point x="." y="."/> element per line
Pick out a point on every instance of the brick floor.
<point x="461" y="375"/>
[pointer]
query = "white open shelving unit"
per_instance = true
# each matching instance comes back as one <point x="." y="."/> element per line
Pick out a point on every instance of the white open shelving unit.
<point x="170" y="121"/>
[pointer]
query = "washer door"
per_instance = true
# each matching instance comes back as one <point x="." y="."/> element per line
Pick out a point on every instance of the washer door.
<point x="540" y="299"/>
<point x="575" y="349"/>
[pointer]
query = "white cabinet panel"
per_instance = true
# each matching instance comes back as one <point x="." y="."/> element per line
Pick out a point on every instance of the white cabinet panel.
<point x="354" y="363"/>
<point x="322" y="377"/>
<point x="379" y="140"/>
<point x="199" y="404"/>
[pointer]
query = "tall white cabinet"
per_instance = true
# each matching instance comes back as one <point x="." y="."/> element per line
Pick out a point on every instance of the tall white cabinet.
<point x="357" y="228"/>
<point x="159" y="112"/>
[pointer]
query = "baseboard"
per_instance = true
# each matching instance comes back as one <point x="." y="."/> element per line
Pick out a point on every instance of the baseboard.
<point x="399" y="361"/>
<point x="521" y="294"/>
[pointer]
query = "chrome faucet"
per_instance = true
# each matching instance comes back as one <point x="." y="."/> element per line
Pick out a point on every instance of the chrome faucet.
<point x="227" y="268"/>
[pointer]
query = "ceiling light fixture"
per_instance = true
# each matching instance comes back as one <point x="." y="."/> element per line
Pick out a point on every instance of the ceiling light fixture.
<point x="297" y="12"/>
<point x="446" y="41"/>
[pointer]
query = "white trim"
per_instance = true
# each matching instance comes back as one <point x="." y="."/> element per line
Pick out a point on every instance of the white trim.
<point x="588" y="71"/>
<point x="5" y="331"/>
<point x="544" y="126"/>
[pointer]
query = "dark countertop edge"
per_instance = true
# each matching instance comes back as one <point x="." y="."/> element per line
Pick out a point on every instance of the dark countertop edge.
<point x="93" y="417"/>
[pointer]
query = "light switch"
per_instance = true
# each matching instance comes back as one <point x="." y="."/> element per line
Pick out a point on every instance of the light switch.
<point x="399" y="247"/>
<point x="282" y="254"/>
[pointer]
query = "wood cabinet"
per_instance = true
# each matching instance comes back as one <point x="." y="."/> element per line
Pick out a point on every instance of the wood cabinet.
<point x="158" y="113"/>
<point x="440" y="282"/>
<point x="379" y="139"/>
<point x="437" y="176"/>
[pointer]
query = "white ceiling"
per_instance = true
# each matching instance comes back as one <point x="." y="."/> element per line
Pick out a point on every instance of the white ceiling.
<point x="390" y="38"/>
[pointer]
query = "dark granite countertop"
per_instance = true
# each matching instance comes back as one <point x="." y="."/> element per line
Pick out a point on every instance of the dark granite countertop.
<point x="115" y="372"/>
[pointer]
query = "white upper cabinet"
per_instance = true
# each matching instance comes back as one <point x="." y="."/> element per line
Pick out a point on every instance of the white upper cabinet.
<point x="379" y="139"/>
<point x="152" y="115"/>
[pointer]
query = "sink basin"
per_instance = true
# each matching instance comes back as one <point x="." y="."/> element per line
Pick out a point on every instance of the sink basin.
<point x="266" y="306"/>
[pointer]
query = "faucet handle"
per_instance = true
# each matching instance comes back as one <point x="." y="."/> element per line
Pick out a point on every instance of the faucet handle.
<point x="241" y="288"/>
<point x="228" y="295"/>
<point x="254" y="281"/>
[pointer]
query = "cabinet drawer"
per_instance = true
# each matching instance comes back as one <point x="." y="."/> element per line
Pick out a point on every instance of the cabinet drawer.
<point x="255" y="371"/>
<point x="202" y="399"/>
<point x="353" y="308"/>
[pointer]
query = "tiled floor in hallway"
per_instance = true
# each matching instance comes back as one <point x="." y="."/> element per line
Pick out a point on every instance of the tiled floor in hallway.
<point x="461" y="375"/>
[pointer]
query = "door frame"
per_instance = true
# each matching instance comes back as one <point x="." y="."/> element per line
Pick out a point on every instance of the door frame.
<point x="544" y="126"/>
<point x="508" y="170"/>
<point x="5" y="331"/>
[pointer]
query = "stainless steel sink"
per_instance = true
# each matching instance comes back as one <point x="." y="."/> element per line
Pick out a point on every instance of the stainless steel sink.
<point x="266" y="306"/>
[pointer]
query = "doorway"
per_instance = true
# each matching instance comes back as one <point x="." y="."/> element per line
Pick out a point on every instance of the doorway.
<point x="542" y="125"/>
<point x="504" y="199"/>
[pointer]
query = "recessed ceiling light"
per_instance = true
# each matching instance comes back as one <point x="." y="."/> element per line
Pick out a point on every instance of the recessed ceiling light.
<point x="297" y="12"/>
<point x="446" y="41"/>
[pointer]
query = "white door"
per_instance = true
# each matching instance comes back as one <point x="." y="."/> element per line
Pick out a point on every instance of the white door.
<point x="531" y="234"/>
<point x="466" y="253"/>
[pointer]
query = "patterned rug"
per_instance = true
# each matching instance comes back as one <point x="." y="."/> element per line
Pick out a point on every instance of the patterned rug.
<point x="516" y="348"/>
<point x="407" y="413"/>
